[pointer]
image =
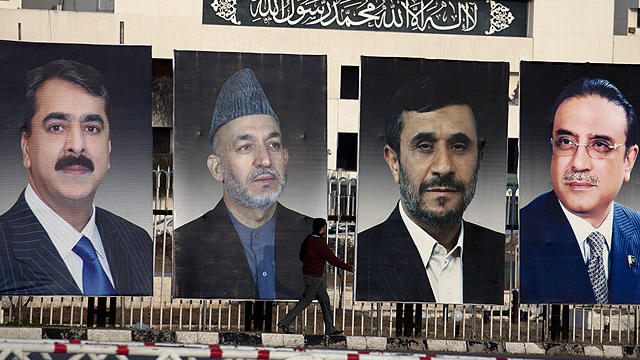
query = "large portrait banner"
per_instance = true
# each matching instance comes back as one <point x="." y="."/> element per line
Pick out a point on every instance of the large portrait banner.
<point x="76" y="200"/>
<point x="250" y="158"/>
<point x="431" y="196"/>
<point x="579" y="193"/>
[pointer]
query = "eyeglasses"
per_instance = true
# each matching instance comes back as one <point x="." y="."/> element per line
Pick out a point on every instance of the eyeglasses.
<point x="596" y="148"/>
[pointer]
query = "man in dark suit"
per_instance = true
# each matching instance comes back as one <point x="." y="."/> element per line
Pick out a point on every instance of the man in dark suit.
<point x="247" y="246"/>
<point x="424" y="251"/>
<point x="54" y="241"/>
<point x="577" y="244"/>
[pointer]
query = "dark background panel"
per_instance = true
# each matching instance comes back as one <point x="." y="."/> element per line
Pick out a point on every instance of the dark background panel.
<point x="540" y="85"/>
<point x="126" y="189"/>
<point x="296" y="88"/>
<point x="380" y="78"/>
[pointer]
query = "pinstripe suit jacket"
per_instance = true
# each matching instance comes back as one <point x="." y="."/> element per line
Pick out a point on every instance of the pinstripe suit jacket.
<point x="31" y="265"/>
<point x="552" y="269"/>
<point x="389" y="266"/>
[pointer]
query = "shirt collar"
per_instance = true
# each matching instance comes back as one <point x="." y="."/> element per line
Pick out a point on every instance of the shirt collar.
<point x="582" y="228"/>
<point x="63" y="235"/>
<point x="245" y="232"/>
<point x="423" y="241"/>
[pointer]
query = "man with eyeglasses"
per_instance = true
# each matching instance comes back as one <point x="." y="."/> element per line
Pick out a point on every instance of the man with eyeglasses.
<point x="578" y="245"/>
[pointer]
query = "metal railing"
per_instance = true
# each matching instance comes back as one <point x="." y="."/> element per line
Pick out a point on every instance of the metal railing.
<point x="600" y="324"/>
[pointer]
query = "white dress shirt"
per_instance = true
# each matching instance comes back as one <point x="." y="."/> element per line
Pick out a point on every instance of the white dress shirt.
<point x="65" y="237"/>
<point x="582" y="229"/>
<point x="444" y="269"/>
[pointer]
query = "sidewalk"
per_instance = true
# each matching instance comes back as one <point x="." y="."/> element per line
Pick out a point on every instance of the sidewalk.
<point x="357" y="343"/>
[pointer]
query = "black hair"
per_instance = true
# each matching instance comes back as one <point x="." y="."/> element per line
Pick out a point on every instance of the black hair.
<point x="68" y="70"/>
<point x="318" y="224"/>
<point x="584" y="87"/>
<point x="429" y="93"/>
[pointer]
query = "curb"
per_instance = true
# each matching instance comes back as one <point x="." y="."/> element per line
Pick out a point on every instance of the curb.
<point x="355" y="343"/>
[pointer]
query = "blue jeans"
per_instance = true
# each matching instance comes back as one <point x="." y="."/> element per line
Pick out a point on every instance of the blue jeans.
<point x="314" y="288"/>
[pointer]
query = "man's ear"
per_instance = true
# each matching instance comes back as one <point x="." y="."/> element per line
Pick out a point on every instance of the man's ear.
<point x="214" y="163"/>
<point x="629" y="161"/>
<point x="24" y="145"/>
<point x="286" y="156"/>
<point x="392" y="160"/>
<point x="109" y="157"/>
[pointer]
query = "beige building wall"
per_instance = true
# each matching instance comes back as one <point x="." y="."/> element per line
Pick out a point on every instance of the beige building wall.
<point x="560" y="30"/>
<point x="573" y="30"/>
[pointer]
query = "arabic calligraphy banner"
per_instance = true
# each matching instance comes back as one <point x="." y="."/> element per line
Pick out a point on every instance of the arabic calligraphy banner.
<point x="479" y="17"/>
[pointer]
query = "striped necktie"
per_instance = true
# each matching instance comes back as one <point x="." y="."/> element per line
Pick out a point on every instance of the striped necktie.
<point x="596" y="268"/>
<point x="94" y="279"/>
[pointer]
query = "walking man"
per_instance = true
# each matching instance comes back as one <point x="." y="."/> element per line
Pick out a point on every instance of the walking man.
<point x="313" y="253"/>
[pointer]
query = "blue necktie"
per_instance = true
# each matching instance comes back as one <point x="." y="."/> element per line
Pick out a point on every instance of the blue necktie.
<point x="94" y="279"/>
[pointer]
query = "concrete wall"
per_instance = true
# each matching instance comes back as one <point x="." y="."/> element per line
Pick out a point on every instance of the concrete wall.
<point x="10" y="4"/>
<point x="626" y="49"/>
<point x="573" y="30"/>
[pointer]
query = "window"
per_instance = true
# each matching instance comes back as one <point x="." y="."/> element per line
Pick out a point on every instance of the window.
<point x="161" y="140"/>
<point x="347" y="157"/>
<point x="512" y="164"/>
<point x="349" y="82"/>
<point x="70" y="5"/>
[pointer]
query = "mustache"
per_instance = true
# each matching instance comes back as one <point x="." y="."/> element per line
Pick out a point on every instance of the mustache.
<point x="446" y="181"/>
<point x="263" y="171"/>
<point x="71" y="160"/>
<point x="581" y="176"/>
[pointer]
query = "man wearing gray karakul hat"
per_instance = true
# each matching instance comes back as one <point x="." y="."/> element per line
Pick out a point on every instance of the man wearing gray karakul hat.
<point x="247" y="246"/>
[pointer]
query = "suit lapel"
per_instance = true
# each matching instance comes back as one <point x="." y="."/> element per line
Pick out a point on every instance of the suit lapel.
<point x="287" y="246"/>
<point x="128" y="251"/>
<point x="401" y="264"/>
<point x="122" y="266"/>
<point x="475" y="261"/>
<point x="623" y="278"/>
<point x="43" y="270"/>
<point x="482" y="265"/>
<point x="471" y="268"/>
<point x="243" y="285"/>
<point x="564" y="253"/>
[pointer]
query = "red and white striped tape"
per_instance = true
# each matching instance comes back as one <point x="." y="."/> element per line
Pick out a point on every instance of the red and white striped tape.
<point x="19" y="347"/>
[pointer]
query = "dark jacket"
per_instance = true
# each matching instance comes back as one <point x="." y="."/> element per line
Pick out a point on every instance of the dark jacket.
<point x="31" y="265"/>
<point x="210" y="261"/>
<point x="552" y="268"/>
<point x="315" y="252"/>
<point x="389" y="266"/>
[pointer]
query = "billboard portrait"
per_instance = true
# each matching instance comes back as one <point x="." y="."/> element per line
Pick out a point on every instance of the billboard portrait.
<point x="431" y="197"/>
<point x="579" y="193"/>
<point x="250" y="157"/>
<point x="75" y="202"/>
